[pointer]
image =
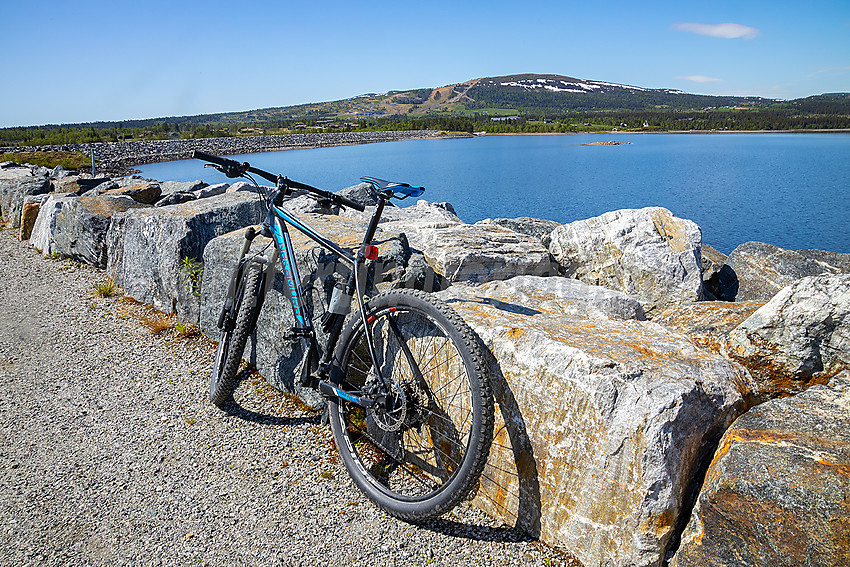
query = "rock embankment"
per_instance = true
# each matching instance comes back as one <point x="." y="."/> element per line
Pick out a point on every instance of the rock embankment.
<point x="120" y="156"/>
<point x="607" y="421"/>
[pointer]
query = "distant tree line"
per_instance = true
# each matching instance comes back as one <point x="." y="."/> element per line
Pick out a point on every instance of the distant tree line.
<point x="488" y="115"/>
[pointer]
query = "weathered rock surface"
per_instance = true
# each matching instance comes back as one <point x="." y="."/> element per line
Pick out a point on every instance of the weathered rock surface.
<point x="14" y="189"/>
<point x="29" y="214"/>
<point x="80" y="226"/>
<point x="477" y="253"/>
<point x="211" y="190"/>
<point x="777" y="490"/>
<point x="538" y="228"/>
<point x="277" y="358"/>
<point x="647" y="253"/>
<point x="759" y="270"/>
<point x="170" y="187"/>
<point x="422" y="214"/>
<point x="176" y="198"/>
<point x="799" y="338"/>
<point x="148" y="248"/>
<point x="77" y="184"/>
<point x="42" y="231"/>
<point x="142" y="192"/>
<point x="708" y="323"/>
<point x="602" y="424"/>
<point x="567" y="296"/>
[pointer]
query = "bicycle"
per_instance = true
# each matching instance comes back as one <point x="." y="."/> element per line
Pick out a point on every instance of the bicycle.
<point x="405" y="381"/>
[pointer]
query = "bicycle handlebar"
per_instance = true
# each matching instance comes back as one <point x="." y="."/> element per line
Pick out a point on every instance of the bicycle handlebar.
<point x="233" y="168"/>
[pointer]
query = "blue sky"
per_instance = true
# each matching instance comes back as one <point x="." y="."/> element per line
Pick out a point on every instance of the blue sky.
<point x="83" y="61"/>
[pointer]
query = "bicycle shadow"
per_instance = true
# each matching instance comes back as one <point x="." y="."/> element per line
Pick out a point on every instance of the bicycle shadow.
<point x="235" y="409"/>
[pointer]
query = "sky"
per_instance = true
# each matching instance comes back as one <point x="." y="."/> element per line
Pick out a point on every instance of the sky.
<point x="76" y="61"/>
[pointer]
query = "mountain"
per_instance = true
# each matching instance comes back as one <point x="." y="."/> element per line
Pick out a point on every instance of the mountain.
<point x="510" y="103"/>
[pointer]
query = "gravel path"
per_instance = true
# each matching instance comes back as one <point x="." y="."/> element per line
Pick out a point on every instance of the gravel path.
<point x="111" y="455"/>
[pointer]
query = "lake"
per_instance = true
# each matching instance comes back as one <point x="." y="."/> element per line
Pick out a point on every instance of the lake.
<point x="791" y="190"/>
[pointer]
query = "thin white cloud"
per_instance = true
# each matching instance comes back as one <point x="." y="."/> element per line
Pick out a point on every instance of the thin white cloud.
<point x="699" y="78"/>
<point x="726" y="31"/>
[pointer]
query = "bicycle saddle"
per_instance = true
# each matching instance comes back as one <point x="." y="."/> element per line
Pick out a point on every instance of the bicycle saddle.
<point x="398" y="190"/>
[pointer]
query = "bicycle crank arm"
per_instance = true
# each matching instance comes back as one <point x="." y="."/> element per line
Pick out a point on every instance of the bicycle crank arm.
<point x="329" y="390"/>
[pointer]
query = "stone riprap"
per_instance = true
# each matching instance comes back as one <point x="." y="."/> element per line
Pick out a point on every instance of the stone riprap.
<point x="118" y="156"/>
<point x="647" y="253"/>
<point x="602" y="424"/>
<point x="776" y="492"/>
<point x="799" y="338"/>
<point x="606" y="421"/>
<point x="154" y="253"/>
<point x="757" y="271"/>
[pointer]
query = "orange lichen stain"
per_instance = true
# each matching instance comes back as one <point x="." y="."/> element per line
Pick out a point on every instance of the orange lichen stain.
<point x="658" y="524"/>
<point x="516" y="332"/>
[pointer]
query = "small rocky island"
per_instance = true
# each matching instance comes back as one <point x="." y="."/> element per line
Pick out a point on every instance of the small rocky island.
<point x="608" y="143"/>
<point x="658" y="401"/>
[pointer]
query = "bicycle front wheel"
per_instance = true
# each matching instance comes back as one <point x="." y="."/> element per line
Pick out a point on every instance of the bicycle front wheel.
<point x="421" y="452"/>
<point x="232" y="342"/>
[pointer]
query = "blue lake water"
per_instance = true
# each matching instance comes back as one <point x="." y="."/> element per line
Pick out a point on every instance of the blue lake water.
<point x="791" y="190"/>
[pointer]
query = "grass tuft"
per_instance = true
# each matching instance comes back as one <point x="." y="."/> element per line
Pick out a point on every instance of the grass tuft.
<point x="106" y="288"/>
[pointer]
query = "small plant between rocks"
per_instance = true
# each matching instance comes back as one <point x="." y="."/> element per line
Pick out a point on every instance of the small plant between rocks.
<point x="106" y="288"/>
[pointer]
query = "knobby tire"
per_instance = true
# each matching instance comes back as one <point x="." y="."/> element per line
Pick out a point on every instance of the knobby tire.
<point x="232" y="343"/>
<point x="435" y="456"/>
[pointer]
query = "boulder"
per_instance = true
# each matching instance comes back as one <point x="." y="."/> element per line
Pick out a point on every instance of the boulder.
<point x="144" y="192"/>
<point x="14" y="190"/>
<point x="363" y="193"/>
<point x="277" y="358"/>
<point x="211" y="190"/>
<point x="776" y="492"/>
<point x="799" y="338"/>
<point x="708" y="323"/>
<point x="242" y="186"/>
<point x="80" y="227"/>
<point x="77" y="184"/>
<point x="151" y="250"/>
<point x="42" y="231"/>
<point x="477" y="253"/>
<point x="29" y="214"/>
<point x="602" y="425"/>
<point x="566" y="296"/>
<point x="538" y="228"/>
<point x="647" y="253"/>
<point x="757" y="271"/>
<point x="176" y="198"/>
<point x="423" y="215"/>
<point x="170" y="187"/>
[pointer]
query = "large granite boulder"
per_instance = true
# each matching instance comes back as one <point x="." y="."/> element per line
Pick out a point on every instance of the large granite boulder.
<point x="155" y="253"/>
<point x="29" y="214"/>
<point x="757" y="271"/>
<point x="799" y="338"/>
<point x="80" y="226"/>
<point x="708" y="323"/>
<point x="477" y="253"/>
<point x="78" y="184"/>
<point x="41" y="237"/>
<point x="423" y="214"/>
<point x="169" y="187"/>
<point x="713" y="263"/>
<point x="538" y="228"/>
<point x="778" y="489"/>
<point x="14" y="189"/>
<point x="277" y="358"/>
<point x="647" y="253"/>
<point x="144" y="192"/>
<point x="603" y="425"/>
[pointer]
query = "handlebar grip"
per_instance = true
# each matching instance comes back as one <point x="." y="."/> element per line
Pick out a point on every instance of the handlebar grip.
<point x="197" y="154"/>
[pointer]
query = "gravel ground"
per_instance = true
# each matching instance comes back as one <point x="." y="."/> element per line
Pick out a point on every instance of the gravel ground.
<point x="111" y="455"/>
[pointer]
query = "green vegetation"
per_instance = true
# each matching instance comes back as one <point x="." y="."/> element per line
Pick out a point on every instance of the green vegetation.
<point x="68" y="160"/>
<point x="492" y="105"/>
<point x="105" y="288"/>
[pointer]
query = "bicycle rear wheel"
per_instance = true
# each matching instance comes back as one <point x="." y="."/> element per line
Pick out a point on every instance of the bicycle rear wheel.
<point x="231" y="345"/>
<point x="421" y="453"/>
